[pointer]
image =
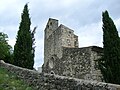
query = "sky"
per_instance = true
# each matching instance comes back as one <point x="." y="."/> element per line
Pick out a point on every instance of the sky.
<point x="82" y="16"/>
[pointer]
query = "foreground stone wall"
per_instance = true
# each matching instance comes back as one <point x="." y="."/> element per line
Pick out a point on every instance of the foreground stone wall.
<point x="54" y="82"/>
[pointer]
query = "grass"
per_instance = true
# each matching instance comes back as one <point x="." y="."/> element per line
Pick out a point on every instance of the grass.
<point x="9" y="81"/>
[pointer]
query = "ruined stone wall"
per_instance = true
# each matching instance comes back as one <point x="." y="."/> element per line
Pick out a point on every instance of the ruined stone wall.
<point x="79" y="63"/>
<point x="95" y="73"/>
<point x="54" y="82"/>
<point x="69" y="39"/>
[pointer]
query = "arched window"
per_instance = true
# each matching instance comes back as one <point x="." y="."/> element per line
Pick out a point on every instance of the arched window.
<point x="51" y="64"/>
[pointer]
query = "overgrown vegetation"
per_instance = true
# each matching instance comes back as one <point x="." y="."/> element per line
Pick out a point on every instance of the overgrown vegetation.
<point x="110" y="62"/>
<point x="6" y="53"/>
<point x="24" y="49"/>
<point x="9" y="81"/>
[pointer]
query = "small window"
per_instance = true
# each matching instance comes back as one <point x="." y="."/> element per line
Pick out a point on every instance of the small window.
<point x="69" y="32"/>
<point x="50" y="23"/>
<point x="51" y="63"/>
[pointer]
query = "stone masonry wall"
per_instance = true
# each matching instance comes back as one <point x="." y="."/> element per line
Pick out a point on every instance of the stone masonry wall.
<point x="69" y="39"/>
<point x="54" y="82"/>
<point x="78" y="63"/>
<point x="51" y="26"/>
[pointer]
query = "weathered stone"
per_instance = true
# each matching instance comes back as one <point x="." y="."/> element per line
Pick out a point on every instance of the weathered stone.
<point x="43" y="81"/>
<point x="63" y="57"/>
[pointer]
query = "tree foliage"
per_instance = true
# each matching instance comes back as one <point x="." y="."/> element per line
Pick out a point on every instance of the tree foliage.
<point x="5" y="49"/>
<point x="110" y="62"/>
<point x="23" y="49"/>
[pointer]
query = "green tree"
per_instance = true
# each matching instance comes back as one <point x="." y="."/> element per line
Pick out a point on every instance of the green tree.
<point x="5" y="49"/>
<point x="110" y="62"/>
<point x="23" y="49"/>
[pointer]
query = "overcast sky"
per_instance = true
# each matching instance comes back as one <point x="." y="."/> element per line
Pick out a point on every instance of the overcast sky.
<point x="83" y="16"/>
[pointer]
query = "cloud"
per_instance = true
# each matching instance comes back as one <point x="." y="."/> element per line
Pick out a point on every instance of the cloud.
<point x="90" y="35"/>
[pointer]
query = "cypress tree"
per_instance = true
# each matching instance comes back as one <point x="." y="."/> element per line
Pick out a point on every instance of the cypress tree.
<point x="23" y="51"/>
<point x="110" y="62"/>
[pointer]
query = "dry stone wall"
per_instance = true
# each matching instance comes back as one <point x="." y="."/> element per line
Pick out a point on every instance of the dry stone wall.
<point x="44" y="81"/>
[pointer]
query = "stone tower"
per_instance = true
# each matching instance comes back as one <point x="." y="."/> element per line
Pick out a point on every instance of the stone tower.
<point x="62" y="55"/>
<point x="51" y="26"/>
<point x="55" y="38"/>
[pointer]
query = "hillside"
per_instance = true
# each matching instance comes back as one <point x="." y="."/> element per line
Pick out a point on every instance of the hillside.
<point x="9" y="81"/>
